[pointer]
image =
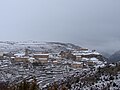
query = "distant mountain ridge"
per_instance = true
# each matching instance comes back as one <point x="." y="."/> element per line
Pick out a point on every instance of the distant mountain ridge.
<point x="115" y="57"/>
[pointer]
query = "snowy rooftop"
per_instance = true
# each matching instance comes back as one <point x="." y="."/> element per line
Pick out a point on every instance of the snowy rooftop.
<point x="85" y="53"/>
<point x="94" y="59"/>
<point x="41" y="54"/>
<point x="19" y="54"/>
<point x="77" y="62"/>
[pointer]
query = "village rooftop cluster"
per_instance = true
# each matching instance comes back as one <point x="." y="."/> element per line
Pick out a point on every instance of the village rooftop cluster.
<point x="75" y="58"/>
<point x="47" y="67"/>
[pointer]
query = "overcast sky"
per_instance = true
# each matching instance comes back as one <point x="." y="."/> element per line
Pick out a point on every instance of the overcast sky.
<point x="88" y="23"/>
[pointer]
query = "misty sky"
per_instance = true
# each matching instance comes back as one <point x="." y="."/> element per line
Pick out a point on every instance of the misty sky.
<point x="89" y="23"/>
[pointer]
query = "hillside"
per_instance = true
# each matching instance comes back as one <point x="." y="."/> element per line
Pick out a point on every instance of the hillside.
<point x="46" y="63"/>
<point x="10" y="46"/>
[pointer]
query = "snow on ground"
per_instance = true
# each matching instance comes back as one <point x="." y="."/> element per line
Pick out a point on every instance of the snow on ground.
<point x="9" y="46"/>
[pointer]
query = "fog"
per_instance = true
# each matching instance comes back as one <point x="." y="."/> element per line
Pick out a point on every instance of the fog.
<point x="94" y="24"/>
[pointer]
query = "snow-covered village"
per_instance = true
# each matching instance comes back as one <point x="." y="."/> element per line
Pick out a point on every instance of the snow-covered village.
<point x="59" y="44"/>
<point x="55" y="66"/>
